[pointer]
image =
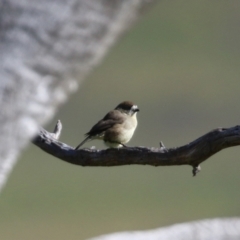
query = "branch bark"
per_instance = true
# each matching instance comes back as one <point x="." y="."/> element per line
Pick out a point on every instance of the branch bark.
<point x="191" y="154"/>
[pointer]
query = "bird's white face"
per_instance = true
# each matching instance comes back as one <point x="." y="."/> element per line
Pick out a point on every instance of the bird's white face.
<point x="134" y="109"/>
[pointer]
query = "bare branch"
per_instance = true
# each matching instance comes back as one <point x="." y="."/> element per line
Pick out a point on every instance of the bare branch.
<point x="192" y="154"/>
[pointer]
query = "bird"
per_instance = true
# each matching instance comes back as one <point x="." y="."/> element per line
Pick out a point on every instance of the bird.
<point x="116" y="128"/>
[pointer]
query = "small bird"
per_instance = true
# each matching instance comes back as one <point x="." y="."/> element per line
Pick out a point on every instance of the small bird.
<point x="116" y="128"/>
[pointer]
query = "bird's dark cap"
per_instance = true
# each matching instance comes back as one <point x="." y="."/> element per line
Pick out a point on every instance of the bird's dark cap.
<point x="126" y="105"/>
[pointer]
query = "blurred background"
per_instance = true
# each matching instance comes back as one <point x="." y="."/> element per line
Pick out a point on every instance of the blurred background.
<point x="180" y="65"/>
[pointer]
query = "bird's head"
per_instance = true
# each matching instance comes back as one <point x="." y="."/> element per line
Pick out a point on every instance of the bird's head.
<point x="127" y="107"/>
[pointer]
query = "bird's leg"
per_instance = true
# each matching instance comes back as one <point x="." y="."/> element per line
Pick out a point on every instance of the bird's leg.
<point x="124" y="145"/>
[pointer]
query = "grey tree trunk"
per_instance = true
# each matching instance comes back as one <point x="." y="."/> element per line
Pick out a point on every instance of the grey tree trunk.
<point x="46" y="50"/>
<point x="215" y="229"/>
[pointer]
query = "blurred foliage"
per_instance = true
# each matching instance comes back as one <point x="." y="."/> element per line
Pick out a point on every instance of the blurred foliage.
<point x="180" y="64"/>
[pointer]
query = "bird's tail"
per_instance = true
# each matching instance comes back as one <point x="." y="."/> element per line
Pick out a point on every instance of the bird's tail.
<point x="85" y="140"/>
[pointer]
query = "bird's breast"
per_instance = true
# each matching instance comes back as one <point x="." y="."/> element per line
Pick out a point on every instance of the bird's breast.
<point x="122" y="133"/>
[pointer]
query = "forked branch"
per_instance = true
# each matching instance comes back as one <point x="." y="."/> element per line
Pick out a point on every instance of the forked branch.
<point x="191" y="154"/>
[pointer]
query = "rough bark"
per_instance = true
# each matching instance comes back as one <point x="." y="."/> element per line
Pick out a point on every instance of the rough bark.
<point x="191" y="154"/>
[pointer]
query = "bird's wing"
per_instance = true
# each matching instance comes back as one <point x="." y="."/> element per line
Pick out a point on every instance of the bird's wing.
<point x="107" y="122"/>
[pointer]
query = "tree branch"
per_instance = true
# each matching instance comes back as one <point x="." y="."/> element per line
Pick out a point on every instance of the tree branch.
<point x="191" y="154"/>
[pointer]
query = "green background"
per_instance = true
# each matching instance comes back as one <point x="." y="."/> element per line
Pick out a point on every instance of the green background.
<point x="180" y="65"/>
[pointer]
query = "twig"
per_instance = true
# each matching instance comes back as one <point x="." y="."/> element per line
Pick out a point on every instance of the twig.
<point x="191" y="154"/>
